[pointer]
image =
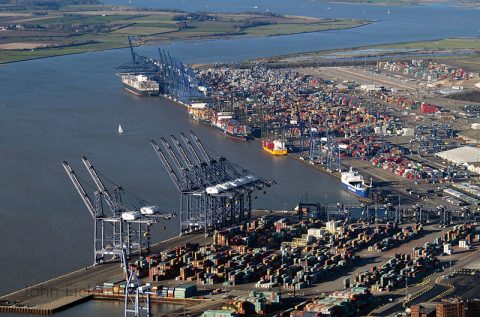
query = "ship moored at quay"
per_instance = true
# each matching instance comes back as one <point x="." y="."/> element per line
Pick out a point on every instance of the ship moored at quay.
<point x="140" y="85"/>
<point x="275" y="147"/>
<point x="223" y="122"/>
<point x="355" y="183"/>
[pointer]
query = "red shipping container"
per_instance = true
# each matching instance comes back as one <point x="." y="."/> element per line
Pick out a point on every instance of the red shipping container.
<point x="427" y="108"/>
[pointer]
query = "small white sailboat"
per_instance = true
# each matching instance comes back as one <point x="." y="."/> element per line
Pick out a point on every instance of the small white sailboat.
<point x="120" y="130"/>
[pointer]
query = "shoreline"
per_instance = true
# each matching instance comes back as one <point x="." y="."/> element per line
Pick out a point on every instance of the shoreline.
<point x="412" y="3"/>
<point x="227" y="36"/>
<point x="193" y="39"/>
<point x="365" y="47"/>
<point x="274" y="59"/>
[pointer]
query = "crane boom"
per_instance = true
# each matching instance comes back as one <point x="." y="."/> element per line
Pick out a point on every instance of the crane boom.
<point x="182" y="152"/>
<point x="101" y="187"/>
<point x="200" y="146"/>
<point x="81" y="191"/>
<point x="191" y="148"/>
<point x="132" y="52"/>
<point x="167" y="165"/>
<point x="172" y="154"/>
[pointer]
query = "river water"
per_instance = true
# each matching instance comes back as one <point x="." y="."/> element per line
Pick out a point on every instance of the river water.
<point x="61" y="108"/>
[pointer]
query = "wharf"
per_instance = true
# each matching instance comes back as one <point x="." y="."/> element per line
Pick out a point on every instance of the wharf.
<point x="70" y="289"/>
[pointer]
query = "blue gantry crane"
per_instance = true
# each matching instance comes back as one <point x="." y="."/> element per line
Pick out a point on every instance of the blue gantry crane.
<point x="175" y="79"/>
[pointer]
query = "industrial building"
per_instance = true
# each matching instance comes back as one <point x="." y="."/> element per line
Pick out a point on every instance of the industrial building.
<point x="447" y="308"/>
<point x="466" y="155"/>
<point x="461" y="155"/>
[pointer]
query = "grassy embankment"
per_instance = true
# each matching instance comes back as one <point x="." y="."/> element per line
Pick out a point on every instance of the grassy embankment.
<point x="462" y="52"/>
<point x="470" y="61"/>
<point x="76" y="29"/>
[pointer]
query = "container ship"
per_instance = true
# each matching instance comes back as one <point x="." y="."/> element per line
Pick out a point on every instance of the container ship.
<point x="275" y="147"/>
<point x="221" y="121"/>
<point x="355" y="183"/>
<point x="224" y="122"/>
<point x="201" y="112"/>
<point x="140" y="85"/>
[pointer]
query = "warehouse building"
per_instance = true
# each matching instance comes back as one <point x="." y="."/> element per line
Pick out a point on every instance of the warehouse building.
<point x="461" y="155"/>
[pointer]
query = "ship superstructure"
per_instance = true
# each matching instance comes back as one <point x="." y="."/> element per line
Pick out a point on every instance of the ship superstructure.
<point x="355" y="183"/>
<point x="275" y="147"/>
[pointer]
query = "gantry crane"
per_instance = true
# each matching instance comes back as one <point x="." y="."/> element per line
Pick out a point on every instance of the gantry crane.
<point x="214" y="192"/>
<point x="122" y="231"/>
<point x="174" y="78"/>
<point x="135" y="232"/>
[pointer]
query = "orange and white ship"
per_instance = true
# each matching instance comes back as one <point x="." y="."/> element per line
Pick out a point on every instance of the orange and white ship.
<point x="275" y="147"/>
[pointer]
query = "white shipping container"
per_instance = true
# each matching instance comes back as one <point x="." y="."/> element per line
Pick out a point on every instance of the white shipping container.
<point x="447" y="248"/>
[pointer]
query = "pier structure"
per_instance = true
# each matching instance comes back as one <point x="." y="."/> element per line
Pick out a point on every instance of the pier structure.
<point x="214" y="193"/>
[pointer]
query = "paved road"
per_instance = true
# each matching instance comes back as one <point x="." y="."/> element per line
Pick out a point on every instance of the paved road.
<point x="360" y="76"/>
<point x="433" y="288"/>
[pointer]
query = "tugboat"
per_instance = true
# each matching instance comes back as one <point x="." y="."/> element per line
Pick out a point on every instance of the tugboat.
<point x="355" y="183"/>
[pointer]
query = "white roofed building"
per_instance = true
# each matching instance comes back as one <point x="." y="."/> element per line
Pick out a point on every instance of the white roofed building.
<point x="461" y="155"/>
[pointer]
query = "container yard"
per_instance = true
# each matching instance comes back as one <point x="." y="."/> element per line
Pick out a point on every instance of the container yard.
<point x="260" y="266"/>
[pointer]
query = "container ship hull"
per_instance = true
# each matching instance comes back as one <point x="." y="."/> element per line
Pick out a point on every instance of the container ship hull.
<point x="275" y="152"/>
<point x="140" y="85"/>
<point x="138" y="92"/>
<point x="237" y="136"/>
<point x="361" y="192"/>
<point x="275" y="147"/>
<point x="354" y="183"/>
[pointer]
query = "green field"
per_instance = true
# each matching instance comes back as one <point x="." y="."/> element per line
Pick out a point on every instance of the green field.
<point x="76" y="29"/>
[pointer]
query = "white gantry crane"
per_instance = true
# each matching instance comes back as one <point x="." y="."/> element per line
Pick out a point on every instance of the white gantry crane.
<point x="122" y="231"/>
<point x="137" y="296"/>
